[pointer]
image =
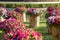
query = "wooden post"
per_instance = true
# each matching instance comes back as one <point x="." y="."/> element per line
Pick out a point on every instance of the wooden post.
<point x="24" y="13"/>
<point x="34" y="21"/>
<point x="47" y="0"/>
<point x="41" y="38"/>
<point x="1" y="18"/>
<point x="38" y="20"/>
<point x="24" y="17"/>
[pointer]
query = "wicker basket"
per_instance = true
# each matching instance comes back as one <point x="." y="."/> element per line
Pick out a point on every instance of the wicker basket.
<point x="56" y="32"/>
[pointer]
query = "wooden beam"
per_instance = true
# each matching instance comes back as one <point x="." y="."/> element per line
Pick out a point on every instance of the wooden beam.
<point x="29" y="2"/>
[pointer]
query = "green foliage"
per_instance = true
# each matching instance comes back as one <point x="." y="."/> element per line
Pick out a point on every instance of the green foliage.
<point x="28" y="5"/>
<point x="3" y="5"/>
<point x="9" y="5"/>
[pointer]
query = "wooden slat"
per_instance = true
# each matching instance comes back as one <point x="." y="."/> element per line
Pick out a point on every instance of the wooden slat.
<point x="29" y="2"/>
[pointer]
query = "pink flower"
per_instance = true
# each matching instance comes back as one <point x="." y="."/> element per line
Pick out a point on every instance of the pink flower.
<point x="33" y="33"/>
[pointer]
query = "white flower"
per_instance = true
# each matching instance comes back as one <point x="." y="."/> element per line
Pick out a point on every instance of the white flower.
<point x="36" y="11"/>
<point x="4" y="11"/>
<point x="51" y="17"/>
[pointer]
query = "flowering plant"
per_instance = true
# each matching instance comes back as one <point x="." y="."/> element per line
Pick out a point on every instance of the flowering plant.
<point x="11" y="24"/>
<point x="51" y="11"/>
<point x="55" y="20"/>
<point x="19" y="10"/>
<point x="1" y="13"/>
<point x="2" y="10"/>
<point x="33" y="11"/>
<point x="22" y="35"/>
<point x="15" y="15"/>
<point x="51" y="20"/>
<point x="15" y="30"/>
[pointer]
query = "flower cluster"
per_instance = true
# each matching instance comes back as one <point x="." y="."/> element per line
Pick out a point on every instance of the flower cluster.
<point x="11" y="24"/>
<point x="1" y="13"/>
<point x="54" y="20"/>
<point x="51" y="11"/>
<point x="23" y="35"/>
<point x="2" y="10"/>
<point x="51" y="20"/>
<point x="9" y="13"/>
<point x="33" y="11"/>
<point x="15" y="15"/>
<point x="15" y="29"/>
<point x="19" y="10"/>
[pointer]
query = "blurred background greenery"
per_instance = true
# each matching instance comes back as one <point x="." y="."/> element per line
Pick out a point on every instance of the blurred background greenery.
<point x="12" y="5"/>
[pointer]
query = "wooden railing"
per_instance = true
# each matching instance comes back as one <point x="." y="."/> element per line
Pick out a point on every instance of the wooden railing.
<point x="31" y="0"/>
